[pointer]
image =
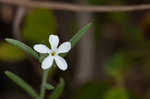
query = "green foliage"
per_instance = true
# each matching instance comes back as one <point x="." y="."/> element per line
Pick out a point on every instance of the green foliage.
<point x="22" y="84"/>
<point x="116" y="93"/>
<point x="44" y="82"/>
<point x="38" y="25"/>
<point x="49" y="86"/>
<point x="24" y="47"/>
<point x="29" y="50"/>
<point x="58" y="91"/>
<point x="116" y="64"/>
<point x="75" y="39"/>
<point x="42" y="57"/>
<point x="10" y="53"/>
<point x="92" y="90"/>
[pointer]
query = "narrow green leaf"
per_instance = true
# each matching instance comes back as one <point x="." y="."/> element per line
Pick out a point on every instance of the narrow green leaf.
<point x="75" y="39"/>
<point x="24" y="47"/>
<point x="58" y="91"/>
<point x="49" y="86"/>
<point x="79" y="34"/>
<point x="42" y="57"/>
<point x="22" y="84"/>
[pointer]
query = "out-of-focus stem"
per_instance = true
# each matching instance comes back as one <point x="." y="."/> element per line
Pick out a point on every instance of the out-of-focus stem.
<point x="44" y="81"/>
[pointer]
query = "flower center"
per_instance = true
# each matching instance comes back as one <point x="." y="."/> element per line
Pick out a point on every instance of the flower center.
<point x="53" y="53"/>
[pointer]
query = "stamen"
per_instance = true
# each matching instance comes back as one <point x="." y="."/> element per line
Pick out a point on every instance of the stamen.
<point x="53" y="53"/>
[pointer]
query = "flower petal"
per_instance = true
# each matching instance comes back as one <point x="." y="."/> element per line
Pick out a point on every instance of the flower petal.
<point x="64" y="47"/>
<point x="54" y="41"/>
<point x="41" y="48"/>
<point x="61" y="63"/>
<point x="47" y="62"/>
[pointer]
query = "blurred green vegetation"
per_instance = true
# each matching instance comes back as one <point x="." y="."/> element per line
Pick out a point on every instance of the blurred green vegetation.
<point x="116" y="93"/>
<point x="10" y="53"/>
<point x="38" y="25"/>
<point x="92" y="90"/>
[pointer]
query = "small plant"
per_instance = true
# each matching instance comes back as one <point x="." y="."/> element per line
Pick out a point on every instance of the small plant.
<point x="47" y="62"/>
<point x="53" y="53"/>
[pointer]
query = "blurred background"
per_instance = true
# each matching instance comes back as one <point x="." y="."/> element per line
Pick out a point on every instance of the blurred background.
<point x="112" y="60"/>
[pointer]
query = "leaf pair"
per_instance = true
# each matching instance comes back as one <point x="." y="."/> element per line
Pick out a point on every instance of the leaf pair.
<point x="55" y="95"/>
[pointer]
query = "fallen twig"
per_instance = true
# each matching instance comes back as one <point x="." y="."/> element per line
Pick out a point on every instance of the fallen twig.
<point x="75" y="7"/>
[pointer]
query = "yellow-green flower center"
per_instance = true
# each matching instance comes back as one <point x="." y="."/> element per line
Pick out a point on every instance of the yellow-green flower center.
<point x="53" y="53"/>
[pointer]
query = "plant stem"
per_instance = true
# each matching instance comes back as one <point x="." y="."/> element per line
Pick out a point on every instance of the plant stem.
<point x="44" y="80"/>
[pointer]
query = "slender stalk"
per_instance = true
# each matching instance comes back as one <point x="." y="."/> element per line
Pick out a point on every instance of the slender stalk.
<point x="44" y="80"/>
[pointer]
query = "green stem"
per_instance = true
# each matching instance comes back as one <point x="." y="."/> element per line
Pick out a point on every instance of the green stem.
<point x="44" y="81"/>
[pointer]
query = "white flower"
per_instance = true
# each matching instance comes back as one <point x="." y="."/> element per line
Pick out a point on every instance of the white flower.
<point x="54" y="52"/>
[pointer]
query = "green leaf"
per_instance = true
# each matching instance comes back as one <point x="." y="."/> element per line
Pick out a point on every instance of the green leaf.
<point x="49" y="87"/>
<point x="24" y="47"/>
<point x="10" y="53"/>
<point x="58" y="91"/>
<point x="38" y="25"/>
<point x="75" y="39"/>
<point x="22" y="84"/>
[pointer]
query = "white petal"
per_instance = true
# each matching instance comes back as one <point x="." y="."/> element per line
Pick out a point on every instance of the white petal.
<point x="47" y="62"/>
<point x="41" y="48"/>
<point x="64" y="47"/>
<point x="61" y="63"/>
<point x="54" y="41"/>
